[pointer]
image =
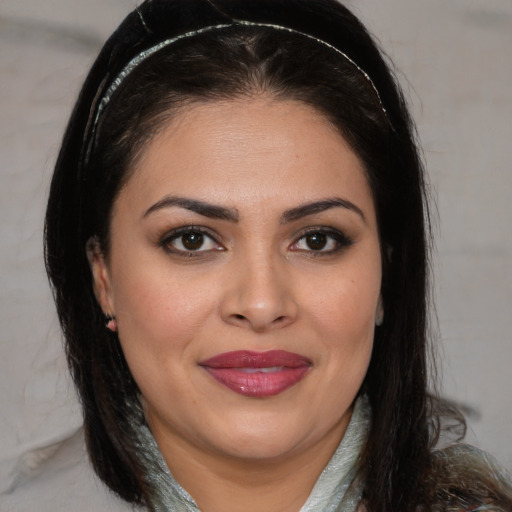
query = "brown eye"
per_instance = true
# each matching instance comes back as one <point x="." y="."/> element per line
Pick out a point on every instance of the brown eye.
<point x="187" y="241"/>
<point x="316" y="241"/>
<point x="324" y="241"/>
<point x="192" y="241"/>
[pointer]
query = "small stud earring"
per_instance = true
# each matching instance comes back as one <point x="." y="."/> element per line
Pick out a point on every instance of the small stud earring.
<point x="111" y="323"/>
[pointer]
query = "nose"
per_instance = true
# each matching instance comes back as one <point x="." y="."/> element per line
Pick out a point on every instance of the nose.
<point x="260" y="295"/>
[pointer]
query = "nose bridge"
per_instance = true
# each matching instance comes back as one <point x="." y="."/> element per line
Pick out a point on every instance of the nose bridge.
<point x="260" y="295"/>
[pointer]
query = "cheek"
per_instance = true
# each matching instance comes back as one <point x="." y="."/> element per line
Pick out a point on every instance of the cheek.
<point x="159" y="312"/>
<point x="158" y="324"/>
<point x="346" y="306"/>
<point x="343" y="313"/>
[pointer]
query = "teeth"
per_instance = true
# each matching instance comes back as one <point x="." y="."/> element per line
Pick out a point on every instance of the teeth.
<point x="270" y="369"/>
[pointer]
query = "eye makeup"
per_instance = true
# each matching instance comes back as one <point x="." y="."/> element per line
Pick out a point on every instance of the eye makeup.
<point x="190" y="241"/>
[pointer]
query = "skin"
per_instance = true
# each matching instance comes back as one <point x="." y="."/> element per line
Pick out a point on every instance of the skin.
<point x="255" y="284"/>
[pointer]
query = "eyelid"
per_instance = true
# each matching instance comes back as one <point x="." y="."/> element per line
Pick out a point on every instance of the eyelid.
<point x="166" y="240"/>
<point x="339" y="236"/>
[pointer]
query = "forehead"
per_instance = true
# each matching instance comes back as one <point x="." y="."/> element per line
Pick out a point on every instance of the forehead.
<point x="258" y="148"/>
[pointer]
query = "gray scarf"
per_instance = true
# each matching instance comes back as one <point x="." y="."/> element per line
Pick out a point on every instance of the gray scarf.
<point x="336" y="490"/>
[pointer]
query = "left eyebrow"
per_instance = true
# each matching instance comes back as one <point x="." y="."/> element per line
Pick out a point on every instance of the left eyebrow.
<point x="201" y="207"/>
<point x="319" y="206"/>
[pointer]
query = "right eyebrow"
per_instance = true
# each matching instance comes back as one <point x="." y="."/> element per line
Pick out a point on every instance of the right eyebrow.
<point x="319" y="206"/>
<point x="212" y="211"/>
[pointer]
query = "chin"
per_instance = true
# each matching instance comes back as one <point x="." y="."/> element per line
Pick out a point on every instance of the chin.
<point x="259" y="446"/>
<point x="265" y="436"/>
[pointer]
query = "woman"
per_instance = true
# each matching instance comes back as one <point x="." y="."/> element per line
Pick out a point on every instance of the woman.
<point x="240" y="201"/>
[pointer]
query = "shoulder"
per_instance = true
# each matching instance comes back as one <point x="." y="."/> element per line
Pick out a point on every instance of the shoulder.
<point x="61" y="482"/>
<point x="466" y="479"/>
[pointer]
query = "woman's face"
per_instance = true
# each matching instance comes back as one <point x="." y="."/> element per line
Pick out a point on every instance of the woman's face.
<point x="245" y="274"/>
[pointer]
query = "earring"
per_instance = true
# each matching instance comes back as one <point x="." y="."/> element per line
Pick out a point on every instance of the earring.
<point x="111" y="323"/>
<point x="379" y="315"/>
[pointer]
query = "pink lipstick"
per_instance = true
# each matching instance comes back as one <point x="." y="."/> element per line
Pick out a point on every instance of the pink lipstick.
<point x="257" y="374"/>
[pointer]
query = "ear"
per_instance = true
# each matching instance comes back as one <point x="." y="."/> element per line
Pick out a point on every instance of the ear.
<point x="379" y="314"/>
<point x="101" y="280"/>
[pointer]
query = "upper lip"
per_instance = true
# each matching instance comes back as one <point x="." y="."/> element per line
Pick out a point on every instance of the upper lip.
<point x="252" y="359"/>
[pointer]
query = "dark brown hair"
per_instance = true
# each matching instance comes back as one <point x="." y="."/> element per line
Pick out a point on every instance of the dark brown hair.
<point x="236" y="62"/>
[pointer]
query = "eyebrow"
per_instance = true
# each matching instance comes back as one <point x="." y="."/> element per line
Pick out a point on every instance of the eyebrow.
<point x="231" y="214"/>
<point x="202" y="208"/>
<point x="319" y="206"/>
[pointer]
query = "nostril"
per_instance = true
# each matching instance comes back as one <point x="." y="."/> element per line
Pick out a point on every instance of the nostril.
<point x="239" y="317"/>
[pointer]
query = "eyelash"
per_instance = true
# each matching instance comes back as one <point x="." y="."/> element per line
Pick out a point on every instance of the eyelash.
<point x="176" y="234"/>
<point x="340" y="240"/>
<point x="331" y="235"/>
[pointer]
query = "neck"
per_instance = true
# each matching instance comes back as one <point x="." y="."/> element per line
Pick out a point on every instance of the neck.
<point x="304" y="480"/>
<point x="279" y="484"/>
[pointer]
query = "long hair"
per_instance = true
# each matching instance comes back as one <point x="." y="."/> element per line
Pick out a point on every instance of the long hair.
<point x="236" y="62"/>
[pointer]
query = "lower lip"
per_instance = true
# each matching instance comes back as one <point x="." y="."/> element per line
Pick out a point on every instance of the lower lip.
<point x="258" y="384"/>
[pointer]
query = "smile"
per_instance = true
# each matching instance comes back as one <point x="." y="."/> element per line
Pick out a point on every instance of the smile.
<point x="257" y="374"/>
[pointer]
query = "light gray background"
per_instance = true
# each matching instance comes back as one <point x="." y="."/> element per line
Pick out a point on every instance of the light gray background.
<point x="454" y="61"/>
